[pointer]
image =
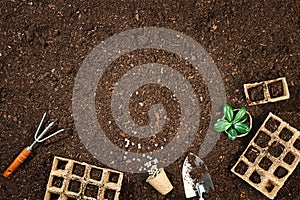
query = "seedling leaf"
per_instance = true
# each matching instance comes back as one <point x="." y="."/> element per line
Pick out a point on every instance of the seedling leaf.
<point x="241" y="113"/>
<point x="244" y="119"/>
<point x="232" y="134"/>
<point x="241" y="127"/>
<point x="228" y="112"/>
<point x="221" y="125"/>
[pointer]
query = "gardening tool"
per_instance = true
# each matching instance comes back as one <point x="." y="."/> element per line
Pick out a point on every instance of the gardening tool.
<point x="196" y="179"/>
<point x="27" y="151"/>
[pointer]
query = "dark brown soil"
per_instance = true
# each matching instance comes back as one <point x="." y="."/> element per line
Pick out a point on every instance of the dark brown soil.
<point x="241" y="168"/>
<point x="91" y="191"/>
<point x="43" y="44"/>
<point x="61" y="164"/>
<point x="113" y="177"/>
<point x="256" y="93"/>
<point x="255" y="177"/>
<point x="270" y="186"/>
<point x="78" y="170"/>
<point x="109" y="194"/>
<point x="252" y="153"/>
<point x="286" y="134"/>
<point x="289" y="158"/>
<point x="280" y="172"/>
<point x="276" y="149"/>
<point x="96" y="174"/>
<point x="57" y="181"/>
<point x="297" y="144"/>
<point x="197" y="173"/>
<point x="71" y="198"/>
<point x="149" y="95"/>
<point x="262" y="139"/>
<point x="265" y="163"/>
<point x="272" y="124"/>
<point x="276" y="89"/>
<point x="54" y="197"/>
<point x="74" y="186"/>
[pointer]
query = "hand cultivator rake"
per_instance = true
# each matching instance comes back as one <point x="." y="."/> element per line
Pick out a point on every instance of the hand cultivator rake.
<point x="27" y="151"/>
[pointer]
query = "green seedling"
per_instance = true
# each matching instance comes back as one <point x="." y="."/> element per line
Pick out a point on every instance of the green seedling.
<point x="232" y="123"/>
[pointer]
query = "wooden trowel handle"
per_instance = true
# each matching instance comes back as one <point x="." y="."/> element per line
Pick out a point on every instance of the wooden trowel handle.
<point x="17" y="162"/>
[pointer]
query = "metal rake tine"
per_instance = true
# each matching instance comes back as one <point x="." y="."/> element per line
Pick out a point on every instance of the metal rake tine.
<point x="38" y="129"/>
<point x="27" y="151"/>
<point x="57" y="132"/>
<point x="38" y="139"/>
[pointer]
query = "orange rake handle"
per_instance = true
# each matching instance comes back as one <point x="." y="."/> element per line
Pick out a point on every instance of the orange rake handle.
<point x="17" y="162"/>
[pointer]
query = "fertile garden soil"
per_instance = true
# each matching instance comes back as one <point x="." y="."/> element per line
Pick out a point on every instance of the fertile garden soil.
<point x="43" y="44"/>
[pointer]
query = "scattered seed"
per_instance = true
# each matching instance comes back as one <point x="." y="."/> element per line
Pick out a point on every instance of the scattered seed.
<point x="127" y="142"/>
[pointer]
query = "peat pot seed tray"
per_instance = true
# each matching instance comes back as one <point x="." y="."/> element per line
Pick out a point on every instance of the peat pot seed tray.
<point x="70" y="179"/>
<point x="271" y="156"/>
<point x="266" y="91"/>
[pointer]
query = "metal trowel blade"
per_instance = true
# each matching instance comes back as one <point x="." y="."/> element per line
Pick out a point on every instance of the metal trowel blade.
<point x="192" y="162"/>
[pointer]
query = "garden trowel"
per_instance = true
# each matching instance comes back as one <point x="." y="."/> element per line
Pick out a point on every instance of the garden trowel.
<point x="196" y="178"/>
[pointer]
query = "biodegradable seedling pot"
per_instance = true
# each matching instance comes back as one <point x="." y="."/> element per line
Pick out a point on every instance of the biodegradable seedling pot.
<point x="250" y="123"/>
<point x="160" y="182"/>
<point x="235" y="122"/>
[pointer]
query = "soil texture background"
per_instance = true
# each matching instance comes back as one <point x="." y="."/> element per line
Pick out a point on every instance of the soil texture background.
<point x="43" y="44"/>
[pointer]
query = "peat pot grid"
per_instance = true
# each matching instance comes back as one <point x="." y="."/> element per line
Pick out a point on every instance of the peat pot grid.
<point x="271" y="156"/>
<point x="266" y="91"/>
<point x="71" y="180"/>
